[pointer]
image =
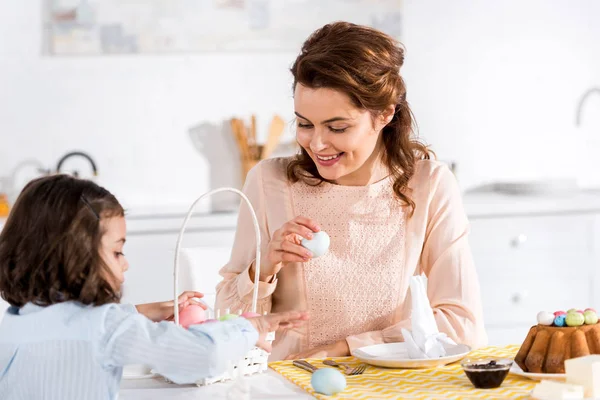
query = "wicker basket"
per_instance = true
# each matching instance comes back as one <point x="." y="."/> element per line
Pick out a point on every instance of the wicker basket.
<point x="255" y="361"/>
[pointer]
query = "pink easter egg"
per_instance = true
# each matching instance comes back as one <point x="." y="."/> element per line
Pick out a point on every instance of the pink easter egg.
<point x="557" y="313"/>
<point x="580" y="311"/>
<point x="250" y="314"/>
<point x="590" y="309"/>
<point x="191" y="315"/>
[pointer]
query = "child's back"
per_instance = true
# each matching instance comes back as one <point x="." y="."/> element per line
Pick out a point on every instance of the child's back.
<point x="54" y="352"/>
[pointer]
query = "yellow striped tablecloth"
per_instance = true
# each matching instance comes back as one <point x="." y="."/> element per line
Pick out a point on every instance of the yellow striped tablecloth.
<point x="448" y="382"/>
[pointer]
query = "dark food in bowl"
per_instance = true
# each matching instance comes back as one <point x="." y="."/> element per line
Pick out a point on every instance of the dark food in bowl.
<point x="486" y="374"/>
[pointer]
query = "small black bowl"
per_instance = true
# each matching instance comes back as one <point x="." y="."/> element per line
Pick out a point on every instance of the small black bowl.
<point x="487" y="373"/>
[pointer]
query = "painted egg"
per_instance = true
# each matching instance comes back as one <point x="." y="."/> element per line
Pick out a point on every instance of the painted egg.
<point x="560" y="320"/>
<point x="191" y="315"/>
<point x="318" y="245"/>
<point x="557" y="313"/>
<point x="545" y="318"/>
<point x="328" y="381"/>
<point x="590" y="317"/>
<point x="590" y="309"/>
<point x="228" y="317"/>
<point x="575" y="319"/>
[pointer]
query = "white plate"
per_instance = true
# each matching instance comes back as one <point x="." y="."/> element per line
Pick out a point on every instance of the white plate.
<point x="515" y="369"/>
<point x="395" y="355"/>
<point x="137" y="371"/>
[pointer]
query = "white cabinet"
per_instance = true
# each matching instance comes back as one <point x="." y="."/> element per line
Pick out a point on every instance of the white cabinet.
<point x="531" y="263"/>
<point x="150" y="250"/>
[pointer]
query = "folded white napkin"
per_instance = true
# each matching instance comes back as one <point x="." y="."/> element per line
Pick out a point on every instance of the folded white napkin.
<point x="424" y="340"/>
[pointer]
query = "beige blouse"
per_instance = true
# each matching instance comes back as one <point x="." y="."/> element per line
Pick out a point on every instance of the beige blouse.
<point x="359" y="290"/>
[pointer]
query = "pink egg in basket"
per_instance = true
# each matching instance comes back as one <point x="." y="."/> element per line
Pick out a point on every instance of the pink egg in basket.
<point x="192" y="315"/>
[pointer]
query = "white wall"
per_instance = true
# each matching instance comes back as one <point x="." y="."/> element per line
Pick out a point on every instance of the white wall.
<point x="493" y="85"/>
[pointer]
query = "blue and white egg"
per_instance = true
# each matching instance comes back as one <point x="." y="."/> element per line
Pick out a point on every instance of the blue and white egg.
<point x="328" y="381"/>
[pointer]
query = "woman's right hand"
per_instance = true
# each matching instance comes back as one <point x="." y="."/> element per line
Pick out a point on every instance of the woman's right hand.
<point x="274" y="322"/>
<point x="285" y="246"/>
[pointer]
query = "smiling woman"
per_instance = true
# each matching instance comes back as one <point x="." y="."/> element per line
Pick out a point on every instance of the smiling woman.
<point x="362" y="177"/>
<point x="346" y="149"/>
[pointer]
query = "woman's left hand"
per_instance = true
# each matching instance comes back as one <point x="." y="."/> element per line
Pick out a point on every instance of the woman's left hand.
<point x="337" y="349"/>
<point x="162" y="311"/>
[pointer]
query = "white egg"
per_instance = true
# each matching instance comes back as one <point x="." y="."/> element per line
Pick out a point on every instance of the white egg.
<point x="545" y="318"/>
<point x="318" y="245"/>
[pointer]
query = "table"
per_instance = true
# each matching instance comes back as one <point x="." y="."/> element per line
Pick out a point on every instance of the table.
<point x="447" y="382"/>
<point x="269" y="385"/>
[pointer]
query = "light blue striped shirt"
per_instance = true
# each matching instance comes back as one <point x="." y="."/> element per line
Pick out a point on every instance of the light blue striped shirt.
<point x="71" y="351"/>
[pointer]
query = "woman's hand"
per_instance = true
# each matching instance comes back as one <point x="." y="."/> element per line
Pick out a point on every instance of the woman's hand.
<point x="274" y="322"/>
<point x="337" y="349"/>
<point x="164" y="310"/>
<point x="285" y="246"/>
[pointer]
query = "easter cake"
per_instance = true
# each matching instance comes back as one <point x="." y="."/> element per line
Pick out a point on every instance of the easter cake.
<point x="558" y="337"/>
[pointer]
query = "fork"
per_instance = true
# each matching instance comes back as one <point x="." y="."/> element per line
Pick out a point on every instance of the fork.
<point x="348" y="370"/>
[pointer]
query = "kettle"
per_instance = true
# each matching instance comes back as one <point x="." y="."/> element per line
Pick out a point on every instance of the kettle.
<point x="75" y="173"/>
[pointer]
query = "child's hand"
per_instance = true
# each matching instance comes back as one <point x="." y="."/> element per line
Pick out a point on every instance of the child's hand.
<point x="273" y="322"/>
<point x="164" y="310"/>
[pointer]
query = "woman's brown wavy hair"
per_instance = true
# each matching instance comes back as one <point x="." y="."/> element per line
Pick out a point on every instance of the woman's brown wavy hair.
<point x="50" y="245"/>
<point x="363" y="63"/>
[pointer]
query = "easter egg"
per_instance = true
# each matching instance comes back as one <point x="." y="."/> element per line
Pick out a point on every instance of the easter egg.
<point x="557" y="313"/>
<point x="580" y="311"/>
<point x="545" y="318"/>
<point x="318" y="245"/>
<point x="328" y="381"/>
<point x="560" y="320"/>
<point x="589" y="309"/>
<point x="228" y="317"/>
<point x="571" y="310"/>
<point x="191" y="315"/>
<point x="250" y="314"/>
<point x="590" y="317"/>
<point x="574" y="319"/>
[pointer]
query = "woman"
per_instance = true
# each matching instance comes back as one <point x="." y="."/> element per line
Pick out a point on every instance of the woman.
<point x="361" y="177"/>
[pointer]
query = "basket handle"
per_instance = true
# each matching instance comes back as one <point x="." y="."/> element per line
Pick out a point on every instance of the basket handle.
<point x="179" y="240"/>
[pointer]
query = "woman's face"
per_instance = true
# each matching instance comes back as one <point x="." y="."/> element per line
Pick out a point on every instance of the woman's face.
<point x="343" y="141"/>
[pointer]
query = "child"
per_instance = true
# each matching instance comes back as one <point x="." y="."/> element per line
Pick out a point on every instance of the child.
<point x="65" y="335"/>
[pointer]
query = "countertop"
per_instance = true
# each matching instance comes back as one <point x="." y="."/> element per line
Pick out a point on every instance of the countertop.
<point x="489" y="205"/>
<point x="477" y="205"/>
<point x="143" y="217"/>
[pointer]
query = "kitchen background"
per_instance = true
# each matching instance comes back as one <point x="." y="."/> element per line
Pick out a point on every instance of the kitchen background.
<point x="496" y="88"/>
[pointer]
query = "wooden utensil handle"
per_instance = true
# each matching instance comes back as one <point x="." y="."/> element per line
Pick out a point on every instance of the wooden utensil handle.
<point x="304" y="365"/>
